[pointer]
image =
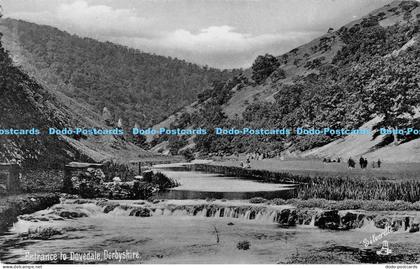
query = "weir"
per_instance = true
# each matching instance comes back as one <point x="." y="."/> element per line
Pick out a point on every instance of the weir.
<point x="283" y="216"/>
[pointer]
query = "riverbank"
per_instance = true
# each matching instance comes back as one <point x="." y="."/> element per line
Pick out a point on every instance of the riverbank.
<point x="317" y="168"/>
<point x="13" y="206"/>
<point x="331" y="188"/>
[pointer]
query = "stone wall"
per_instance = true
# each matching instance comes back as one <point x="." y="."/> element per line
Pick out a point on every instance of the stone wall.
<point x="10" y="178"/>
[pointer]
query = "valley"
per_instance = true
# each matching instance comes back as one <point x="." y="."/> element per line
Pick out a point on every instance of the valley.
<point x="298" y="159"/>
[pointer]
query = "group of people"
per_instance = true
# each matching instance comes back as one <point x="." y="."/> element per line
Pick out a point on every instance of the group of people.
<point x="363" y="162"/>
<point x="256" y="156"/>
<point x="249" y="157"/>
<point x="253" y="156"/>
<point x="329" y="160"/>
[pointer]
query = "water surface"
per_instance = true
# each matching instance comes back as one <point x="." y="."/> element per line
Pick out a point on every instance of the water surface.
<point x="172" y="237"/>
<point x="202" y="185"/>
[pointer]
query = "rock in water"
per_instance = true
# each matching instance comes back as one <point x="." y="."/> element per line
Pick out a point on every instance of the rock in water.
<point x="328" y="220"/>
<point x="141" y="212"/>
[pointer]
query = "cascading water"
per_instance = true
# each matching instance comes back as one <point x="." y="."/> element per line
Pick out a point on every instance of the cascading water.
<point x="263" y="214"/>
<point x="312" y="223"/>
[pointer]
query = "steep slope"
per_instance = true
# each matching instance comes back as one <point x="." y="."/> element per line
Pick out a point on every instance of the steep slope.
<point x="366" y="146"/>
<point x="367" y="69"/>
<point x="136" y="87"/>
<point x="310" y="58"/>
<point x="25" y="104"/>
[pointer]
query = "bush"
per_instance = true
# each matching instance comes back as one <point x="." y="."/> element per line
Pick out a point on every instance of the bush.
<point x="88" y="187"/>
<point x="175" y="144"/>
<point x="243" y="245"/>
<point x="263" y="67"/>
<point x="112" y="169"/>
<point x="257" y="200"/>
<point x="279" y="201"/>
<point x="188" y="155"/>
<point x="160" y="179"/>
<point x="278" y="74"/>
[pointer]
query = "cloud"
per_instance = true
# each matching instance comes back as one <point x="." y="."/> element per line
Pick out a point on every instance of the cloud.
<point x="102" y="19"/>
<point x="223" y="39"/>
<point x="214" y="38"/>
<point x="82" y="18"/>
<point x="219" y="46"/>
<point x="159" y="32"/>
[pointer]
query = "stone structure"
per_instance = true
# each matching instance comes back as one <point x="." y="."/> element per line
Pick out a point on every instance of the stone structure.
<point x="10" y="177"/>
<point x="74" y="168"/>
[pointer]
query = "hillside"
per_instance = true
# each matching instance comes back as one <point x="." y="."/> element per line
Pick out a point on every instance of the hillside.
<point x="136" y="87"/>
<point x="356" y="145"/>
<point x="368" y="69"/>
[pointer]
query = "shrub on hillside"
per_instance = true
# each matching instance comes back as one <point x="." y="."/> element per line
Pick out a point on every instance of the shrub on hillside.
<point x="188" y="155"/>
<point x="263" y="67"/>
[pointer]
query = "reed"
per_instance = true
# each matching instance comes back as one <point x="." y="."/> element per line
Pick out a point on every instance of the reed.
<point x="330" y="188"/>
<point x="359" y="189"/>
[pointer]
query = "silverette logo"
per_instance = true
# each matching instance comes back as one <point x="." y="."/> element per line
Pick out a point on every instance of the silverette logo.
<point x="385" y="250"/>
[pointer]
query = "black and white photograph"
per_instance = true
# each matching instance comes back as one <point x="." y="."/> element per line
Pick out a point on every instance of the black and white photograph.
<point x="210" y="132"/>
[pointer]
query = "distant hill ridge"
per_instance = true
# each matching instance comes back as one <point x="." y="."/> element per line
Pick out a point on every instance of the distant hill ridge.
<point x="135" y="86"/>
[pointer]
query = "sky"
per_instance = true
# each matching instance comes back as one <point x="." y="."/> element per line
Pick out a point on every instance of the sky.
<point x="217" y="33"/>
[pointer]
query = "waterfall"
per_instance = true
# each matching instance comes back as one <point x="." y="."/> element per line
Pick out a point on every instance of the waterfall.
<point x="312" y="223"/>
<point x="369" y="226"/>
<point x="202" y="213"/>
<point x="258" y="213"/>
<point x="119" y="211"/>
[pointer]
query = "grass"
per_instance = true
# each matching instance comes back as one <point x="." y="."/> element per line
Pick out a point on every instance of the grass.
<point x="316" y="168"/>
<point x="359" y="189"/>
<point x="368" y="205"/>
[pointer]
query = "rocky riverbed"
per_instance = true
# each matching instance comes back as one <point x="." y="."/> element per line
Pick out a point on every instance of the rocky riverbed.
<point x="13" y="206"/>
<point x="209" y="231"/>
<point x="283" y="215"/>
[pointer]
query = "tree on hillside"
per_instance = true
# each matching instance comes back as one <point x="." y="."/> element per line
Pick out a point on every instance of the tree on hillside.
<point x="263" y="67"/>
<point x="128" y="82"/>
<point x="106" y="116"/>
<point x="139" y="140"/>
<point x="120" y="123"/>
<point x="394" y="93"/>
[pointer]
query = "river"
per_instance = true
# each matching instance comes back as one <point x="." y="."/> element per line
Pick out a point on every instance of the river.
<point x="201" y="185"/>
<point x="182" y="230"/>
